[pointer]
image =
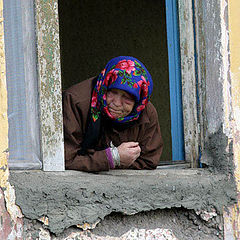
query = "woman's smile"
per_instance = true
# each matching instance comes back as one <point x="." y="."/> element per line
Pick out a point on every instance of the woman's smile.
<point x="120" y="103"/>
<point x="115" y="113"/>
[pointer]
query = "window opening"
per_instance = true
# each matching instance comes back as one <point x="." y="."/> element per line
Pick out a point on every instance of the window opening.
<point x="93" y="32"/>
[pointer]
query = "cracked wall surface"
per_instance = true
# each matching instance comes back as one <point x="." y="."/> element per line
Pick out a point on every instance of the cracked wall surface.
<point x="80" y="199"/>
<point x="60" y="203"/>
<point x="170" y="224"/>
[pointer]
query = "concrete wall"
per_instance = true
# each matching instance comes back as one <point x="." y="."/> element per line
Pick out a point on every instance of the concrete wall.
<point x="220" y="65"/>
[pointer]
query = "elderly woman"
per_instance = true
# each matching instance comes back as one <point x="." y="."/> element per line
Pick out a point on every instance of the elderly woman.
<point x="109" y="122"/>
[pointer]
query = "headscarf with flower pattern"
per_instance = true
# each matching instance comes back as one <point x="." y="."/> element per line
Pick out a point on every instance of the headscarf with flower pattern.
<point x="125" y="73"/>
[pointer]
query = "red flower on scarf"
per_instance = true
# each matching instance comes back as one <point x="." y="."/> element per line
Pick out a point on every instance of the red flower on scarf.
<point x="140" y="108"/>
<point x="145" y="101"/>
<point x="135" y="85"/>
<point x="94" y="99"/>
<point x="127" y="65"/>
<point x="144" y="86"/>
<point x="144" y="80"/>
<point x="111" y="77"/>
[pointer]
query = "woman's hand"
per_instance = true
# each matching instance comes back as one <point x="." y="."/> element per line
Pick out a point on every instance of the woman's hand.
<point x="129" y="152"/>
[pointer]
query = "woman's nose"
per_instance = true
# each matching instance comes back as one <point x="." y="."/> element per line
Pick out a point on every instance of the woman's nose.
<point x="117" y="100"/>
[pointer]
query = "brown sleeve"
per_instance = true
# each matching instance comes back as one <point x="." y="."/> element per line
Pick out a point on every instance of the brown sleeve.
<point x="151" y="144"/>
<point x="94" y="161"/>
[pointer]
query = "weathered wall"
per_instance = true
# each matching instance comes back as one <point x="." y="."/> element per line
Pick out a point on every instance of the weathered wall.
<point x="66" y="200"/>
<point x="168" y="224"/>
<point x="60" y="203"/>
<point x="232" y="214"/>
<point x="10" y="214"/>
<point x="214" y="85"/>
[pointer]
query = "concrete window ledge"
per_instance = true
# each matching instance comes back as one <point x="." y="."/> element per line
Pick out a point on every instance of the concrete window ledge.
<point x="70" y="198"/>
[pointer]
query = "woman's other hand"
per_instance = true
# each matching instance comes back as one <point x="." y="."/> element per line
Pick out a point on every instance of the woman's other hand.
<point x="129" y="152"/>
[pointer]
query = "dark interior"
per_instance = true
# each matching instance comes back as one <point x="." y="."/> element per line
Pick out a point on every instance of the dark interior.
<point x="93" y="32"/>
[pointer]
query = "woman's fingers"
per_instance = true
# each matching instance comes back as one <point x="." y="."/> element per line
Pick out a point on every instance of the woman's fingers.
<point x="131" y="144"/>
<point x="129" y="152"/>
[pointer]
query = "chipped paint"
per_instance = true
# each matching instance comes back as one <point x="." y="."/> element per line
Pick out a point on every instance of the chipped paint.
<point x="227" y="128"/>
<point x="87" y="226"/>
<point x="44" y="220"/>
<point x="232" y="214"/>
<point x="49" y="72"/>
<point x="188" y="81"/>
<point x="206" y="216"/>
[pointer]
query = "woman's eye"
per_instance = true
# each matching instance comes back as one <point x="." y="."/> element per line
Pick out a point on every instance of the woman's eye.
<point x="110" y="94"/>
<point x="128" y="99"/>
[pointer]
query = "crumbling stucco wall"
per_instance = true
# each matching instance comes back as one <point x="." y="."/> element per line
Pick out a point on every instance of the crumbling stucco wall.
<point x="60" y="204"/>
<point x="170" y="224"/>
<point x="72" y="198"/>
<point x="231" y="215"/>
<point x="214" y="85"/>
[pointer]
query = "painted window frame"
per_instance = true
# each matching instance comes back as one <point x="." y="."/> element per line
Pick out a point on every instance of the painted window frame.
<point x="33" y="59"/>
<point x="50" y="91"/>
<point x="21" y="77"/>
<point x="187" y="38"/>
<point x="183" y="82"/>
<point x="175" y="80"/>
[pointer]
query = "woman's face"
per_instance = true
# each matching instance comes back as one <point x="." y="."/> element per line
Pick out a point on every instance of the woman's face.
<point x="119" y="102"/>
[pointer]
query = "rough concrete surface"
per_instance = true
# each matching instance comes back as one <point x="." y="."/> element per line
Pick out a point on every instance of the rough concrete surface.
<point x="73" y="198"/>
<point x="218" y="153"/>
<point x="176" y="223"/>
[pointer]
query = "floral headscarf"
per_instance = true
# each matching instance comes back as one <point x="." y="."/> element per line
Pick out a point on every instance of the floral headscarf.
<point x="125" y="73"/>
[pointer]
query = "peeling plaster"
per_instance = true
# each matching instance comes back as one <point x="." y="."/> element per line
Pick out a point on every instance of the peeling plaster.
<point x="87" y="226"/>
<point x="44" y="220"/>
<point x="232" y="214"/>
<point x="188" y="81"/>
<point x="75" y="198"/>
<point x="225" y="71"/>
<point x="133" y="234"/>
<point x="183" y="224"/>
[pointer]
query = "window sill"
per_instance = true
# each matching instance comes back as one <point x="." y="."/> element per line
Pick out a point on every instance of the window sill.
<point x="75" y="198"/>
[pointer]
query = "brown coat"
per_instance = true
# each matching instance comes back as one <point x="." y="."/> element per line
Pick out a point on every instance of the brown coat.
<point x="146" y="131"/>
